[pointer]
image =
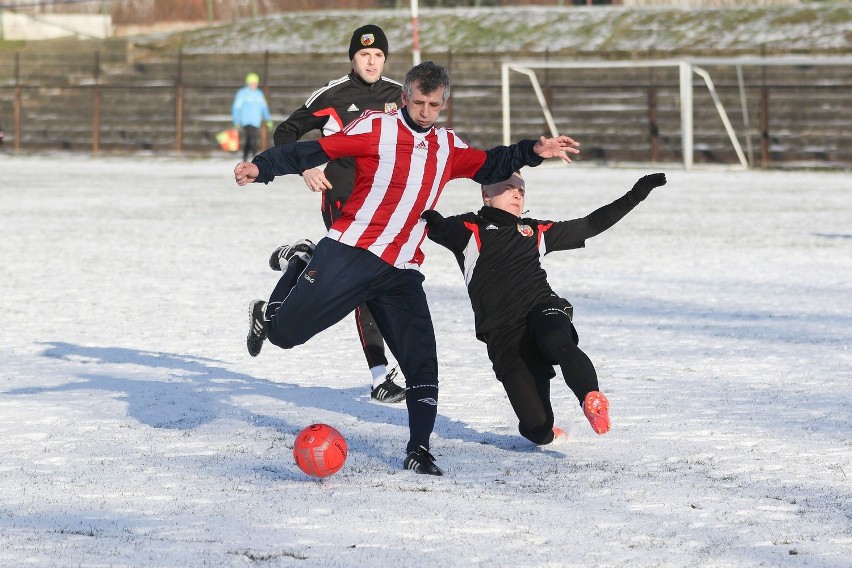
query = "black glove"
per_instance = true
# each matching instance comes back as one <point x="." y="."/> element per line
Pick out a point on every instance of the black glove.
<point x="434" y="220"/>
<point x="645" y="184"/>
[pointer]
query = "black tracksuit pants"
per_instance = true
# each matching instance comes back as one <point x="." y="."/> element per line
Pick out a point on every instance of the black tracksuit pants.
<point x="309" y="299"/>
<point x="524" y="358"/>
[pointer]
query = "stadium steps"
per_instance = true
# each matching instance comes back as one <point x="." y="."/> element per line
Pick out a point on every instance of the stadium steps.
<point x="607" y="110"/>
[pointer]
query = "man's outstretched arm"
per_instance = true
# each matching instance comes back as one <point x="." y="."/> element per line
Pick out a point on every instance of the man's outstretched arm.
<point x="292" y="158"/>
<point x="502" y="161"/>
<point x="605" y="217"/>
<point x="571" y="234"/>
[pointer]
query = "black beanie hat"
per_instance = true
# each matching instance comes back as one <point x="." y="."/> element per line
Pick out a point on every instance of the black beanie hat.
<point x="368" y="36"/>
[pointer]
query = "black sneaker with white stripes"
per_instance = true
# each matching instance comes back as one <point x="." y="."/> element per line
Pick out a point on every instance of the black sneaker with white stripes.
<point x="388" y="391"/>
<point x="282" y="255"/>
<point x="421" y="461"/>
<point x="257" y="327"/>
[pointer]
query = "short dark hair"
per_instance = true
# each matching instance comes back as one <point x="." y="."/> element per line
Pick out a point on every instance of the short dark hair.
<point x="429" y="77"/>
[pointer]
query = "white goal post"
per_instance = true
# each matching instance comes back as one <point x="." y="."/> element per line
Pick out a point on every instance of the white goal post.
<point x="687" y="67"/>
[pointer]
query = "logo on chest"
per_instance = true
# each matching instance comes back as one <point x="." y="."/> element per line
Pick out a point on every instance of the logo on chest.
<point x="525" y="230"/>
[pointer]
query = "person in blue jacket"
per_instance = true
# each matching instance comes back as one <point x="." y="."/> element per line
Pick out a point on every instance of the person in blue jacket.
<point x="249" y="111"/>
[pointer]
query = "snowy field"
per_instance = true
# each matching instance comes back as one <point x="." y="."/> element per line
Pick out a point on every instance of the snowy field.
<point x="137" y="431"/>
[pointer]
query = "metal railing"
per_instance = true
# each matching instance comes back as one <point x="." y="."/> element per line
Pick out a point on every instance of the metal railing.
<point x="177" y="105"/>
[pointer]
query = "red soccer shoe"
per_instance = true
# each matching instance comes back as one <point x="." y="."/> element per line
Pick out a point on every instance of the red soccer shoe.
<point x="596" y="409"/>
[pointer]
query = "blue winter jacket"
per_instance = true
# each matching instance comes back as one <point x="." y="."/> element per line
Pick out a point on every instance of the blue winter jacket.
<point x="249" y="108"/>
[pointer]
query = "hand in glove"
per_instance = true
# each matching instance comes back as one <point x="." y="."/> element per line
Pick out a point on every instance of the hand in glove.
<point x="643" y="187"/>
<point x="434" y="220"/>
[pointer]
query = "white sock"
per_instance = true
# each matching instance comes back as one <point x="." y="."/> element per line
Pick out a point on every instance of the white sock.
<point x="380" y="373"/>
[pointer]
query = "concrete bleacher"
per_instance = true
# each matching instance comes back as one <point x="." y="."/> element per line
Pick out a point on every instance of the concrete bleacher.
<point x="608" y="110"/>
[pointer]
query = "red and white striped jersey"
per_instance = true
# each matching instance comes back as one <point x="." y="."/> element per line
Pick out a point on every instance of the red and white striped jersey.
<point x="400" y="174"/>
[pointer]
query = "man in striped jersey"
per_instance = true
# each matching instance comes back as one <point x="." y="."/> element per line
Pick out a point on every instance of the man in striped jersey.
<point x="329" y="110"/>
<point x="372" y="252"/>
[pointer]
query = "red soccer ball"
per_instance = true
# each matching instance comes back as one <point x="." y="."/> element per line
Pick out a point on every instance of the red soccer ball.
<point x="320" y="450"/>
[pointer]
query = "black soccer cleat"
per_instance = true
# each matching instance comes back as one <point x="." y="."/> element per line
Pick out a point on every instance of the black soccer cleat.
<point x="304" y="249"/>
<point x="421" y="461"/>
<point x="257" y="327"/>
<point x="388" y="391"/>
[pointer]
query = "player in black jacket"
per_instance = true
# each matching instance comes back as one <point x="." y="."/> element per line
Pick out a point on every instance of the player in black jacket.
<point x="526" y="326"/>
<point x="329" y="110"/>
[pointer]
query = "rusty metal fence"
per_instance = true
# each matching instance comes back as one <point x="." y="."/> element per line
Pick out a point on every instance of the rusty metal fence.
<point x="119" y="102"/>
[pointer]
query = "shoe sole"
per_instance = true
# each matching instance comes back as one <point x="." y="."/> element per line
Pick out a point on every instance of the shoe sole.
<point x="601" y="414"/>
<point x="275" y="259"/>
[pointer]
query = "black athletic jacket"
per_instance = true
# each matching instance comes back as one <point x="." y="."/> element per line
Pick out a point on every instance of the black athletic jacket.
<point x="500" y="256"/>
<point x="329" y="110"/>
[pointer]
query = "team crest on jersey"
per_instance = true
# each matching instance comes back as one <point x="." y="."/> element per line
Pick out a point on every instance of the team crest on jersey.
<point x="525" y="230"/>
<point x="368" y="40"/>
<point x="390" y="107"/>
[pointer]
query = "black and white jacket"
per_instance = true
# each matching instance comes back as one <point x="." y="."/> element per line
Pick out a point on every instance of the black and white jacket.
<point x="500" y="256"/>
<point x="329" y="110"/>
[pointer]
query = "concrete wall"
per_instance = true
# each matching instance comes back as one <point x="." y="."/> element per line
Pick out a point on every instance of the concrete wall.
<point x="14" y="26"/>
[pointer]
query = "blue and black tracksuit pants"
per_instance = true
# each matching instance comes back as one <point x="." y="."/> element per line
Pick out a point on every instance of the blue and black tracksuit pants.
<point x="309" y="299"/>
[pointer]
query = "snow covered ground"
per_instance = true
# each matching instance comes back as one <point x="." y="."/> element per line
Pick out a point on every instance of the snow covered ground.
<point x="136" y="430"/>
